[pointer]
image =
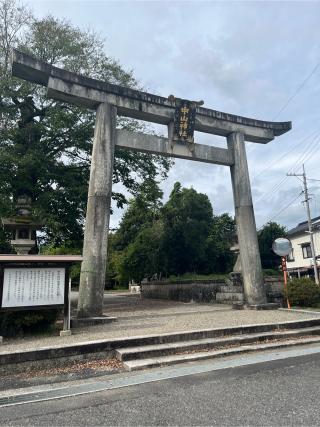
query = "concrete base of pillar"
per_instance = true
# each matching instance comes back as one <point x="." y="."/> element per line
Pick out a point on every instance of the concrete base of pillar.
<point x="91" y="321"/>
<point x="267" y="306"/>
<point x="66" y="333"/>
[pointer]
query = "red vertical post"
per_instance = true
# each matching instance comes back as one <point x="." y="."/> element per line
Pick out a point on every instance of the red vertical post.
<point x="284" y="269"/>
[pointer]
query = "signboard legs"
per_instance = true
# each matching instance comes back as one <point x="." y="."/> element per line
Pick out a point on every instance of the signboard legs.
<point x="67" y="310"/>
<point x="98" y="214"/>
<point x="246" y="226"/>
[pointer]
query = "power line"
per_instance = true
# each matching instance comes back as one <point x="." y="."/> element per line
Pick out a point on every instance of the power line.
<point x="310" y="146"/>
<point x="305" y="157"/>
<point x="282" y="210"/>
<point x="297" y="91"/>
<point x="286" y="207"/>
<point x="312" y="134"/>
<point x="285" y="105"/>
<point x="309" y="150"/>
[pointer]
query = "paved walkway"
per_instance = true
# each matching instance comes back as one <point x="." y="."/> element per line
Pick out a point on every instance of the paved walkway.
<point x="139" y="317"/>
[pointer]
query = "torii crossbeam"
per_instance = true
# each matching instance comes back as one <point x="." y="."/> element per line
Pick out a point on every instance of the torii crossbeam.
<point x="111" y="100"/>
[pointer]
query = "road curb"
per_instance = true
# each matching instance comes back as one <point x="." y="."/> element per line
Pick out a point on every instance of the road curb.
<point x="298" y="310"/>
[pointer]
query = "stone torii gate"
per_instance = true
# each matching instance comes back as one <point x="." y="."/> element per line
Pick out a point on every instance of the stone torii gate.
<point x="110" y="100"/>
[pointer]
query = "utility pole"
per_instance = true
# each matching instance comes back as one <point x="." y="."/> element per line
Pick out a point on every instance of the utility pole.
<point x="306" y="201"/>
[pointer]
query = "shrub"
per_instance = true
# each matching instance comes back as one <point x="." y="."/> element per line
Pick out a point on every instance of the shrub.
<point x="20" y="323"/>
<point x="304" y="292"/>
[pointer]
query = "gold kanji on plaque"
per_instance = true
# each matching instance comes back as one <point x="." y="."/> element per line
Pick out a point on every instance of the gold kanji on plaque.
<point x="184" y="121"/>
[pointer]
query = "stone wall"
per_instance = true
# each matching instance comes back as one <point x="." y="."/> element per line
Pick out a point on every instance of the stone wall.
<point x="274" y="289"/>
<point x="204" y="291"/>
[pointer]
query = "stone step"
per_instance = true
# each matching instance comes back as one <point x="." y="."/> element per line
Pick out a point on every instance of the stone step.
<point x="151" y="351"/>
<point x="17" y="360"/>
<point x="229" y="296"/>
<point x="134" y="365"/>
<point x="233" y="289"/>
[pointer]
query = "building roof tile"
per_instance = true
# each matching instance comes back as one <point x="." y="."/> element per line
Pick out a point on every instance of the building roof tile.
<point x="303" y="226"/>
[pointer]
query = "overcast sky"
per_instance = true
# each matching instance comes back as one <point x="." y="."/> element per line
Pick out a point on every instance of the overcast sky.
<point x="246" y="58"/>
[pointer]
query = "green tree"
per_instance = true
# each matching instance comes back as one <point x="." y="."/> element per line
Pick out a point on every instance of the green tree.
<point x="266" y="236"/>
<point x="142" y="211"/>
<point x="131" y="250"/>
<point x="181" y="237"/>
<point x="187" y="220"/>
<point x="5" y="247"/>
<point x="143" y="257"/>
<point x="219" y="257"/>
<point x="45" y="145"/>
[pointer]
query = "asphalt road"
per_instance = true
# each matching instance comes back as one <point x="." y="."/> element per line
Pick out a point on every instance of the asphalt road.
<point x="278" y="393"/>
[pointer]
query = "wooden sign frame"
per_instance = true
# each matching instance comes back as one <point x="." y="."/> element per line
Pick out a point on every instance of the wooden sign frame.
<point x="3" y="267"/>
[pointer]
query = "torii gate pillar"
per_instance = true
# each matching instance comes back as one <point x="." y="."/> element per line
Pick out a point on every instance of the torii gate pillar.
<point x="246" y="226"/>
<point x="93" y="267"/>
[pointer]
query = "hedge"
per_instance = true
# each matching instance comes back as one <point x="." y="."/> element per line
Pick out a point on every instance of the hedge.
<point x="303" y="292"/>
<point x="20" y="323"/>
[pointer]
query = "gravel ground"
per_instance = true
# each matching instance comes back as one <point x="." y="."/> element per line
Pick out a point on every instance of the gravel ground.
<point x="124" y="305"/>
<point x="138" y="317"/>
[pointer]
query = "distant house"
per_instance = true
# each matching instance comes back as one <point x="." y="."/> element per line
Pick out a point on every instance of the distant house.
<point x="299" y="262"/>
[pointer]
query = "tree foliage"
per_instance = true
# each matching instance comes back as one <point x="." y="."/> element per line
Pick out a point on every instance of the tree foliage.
<point x="187" y="218"/>
<point x="221" y="237"/>
<point x="134" y="250"/>
<point x="143" y="257"/>
<point x="182" y="236"/>
<point x="142" y="212"/>
<point x="45" y="145"/>
<point x="266" y="236"/>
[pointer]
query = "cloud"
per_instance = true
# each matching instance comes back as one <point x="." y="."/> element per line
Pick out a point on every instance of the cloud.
<point x="246" y="58"/>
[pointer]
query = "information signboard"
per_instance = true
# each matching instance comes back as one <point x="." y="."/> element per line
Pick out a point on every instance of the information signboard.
<point x="28" y="287"/>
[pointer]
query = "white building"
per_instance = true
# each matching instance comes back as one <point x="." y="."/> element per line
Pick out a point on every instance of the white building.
<point x="299" y="262"/>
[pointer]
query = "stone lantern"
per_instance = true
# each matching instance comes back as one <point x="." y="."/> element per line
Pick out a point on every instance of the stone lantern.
<point x="23" y="226"/>
<point x="236" y="251"/>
